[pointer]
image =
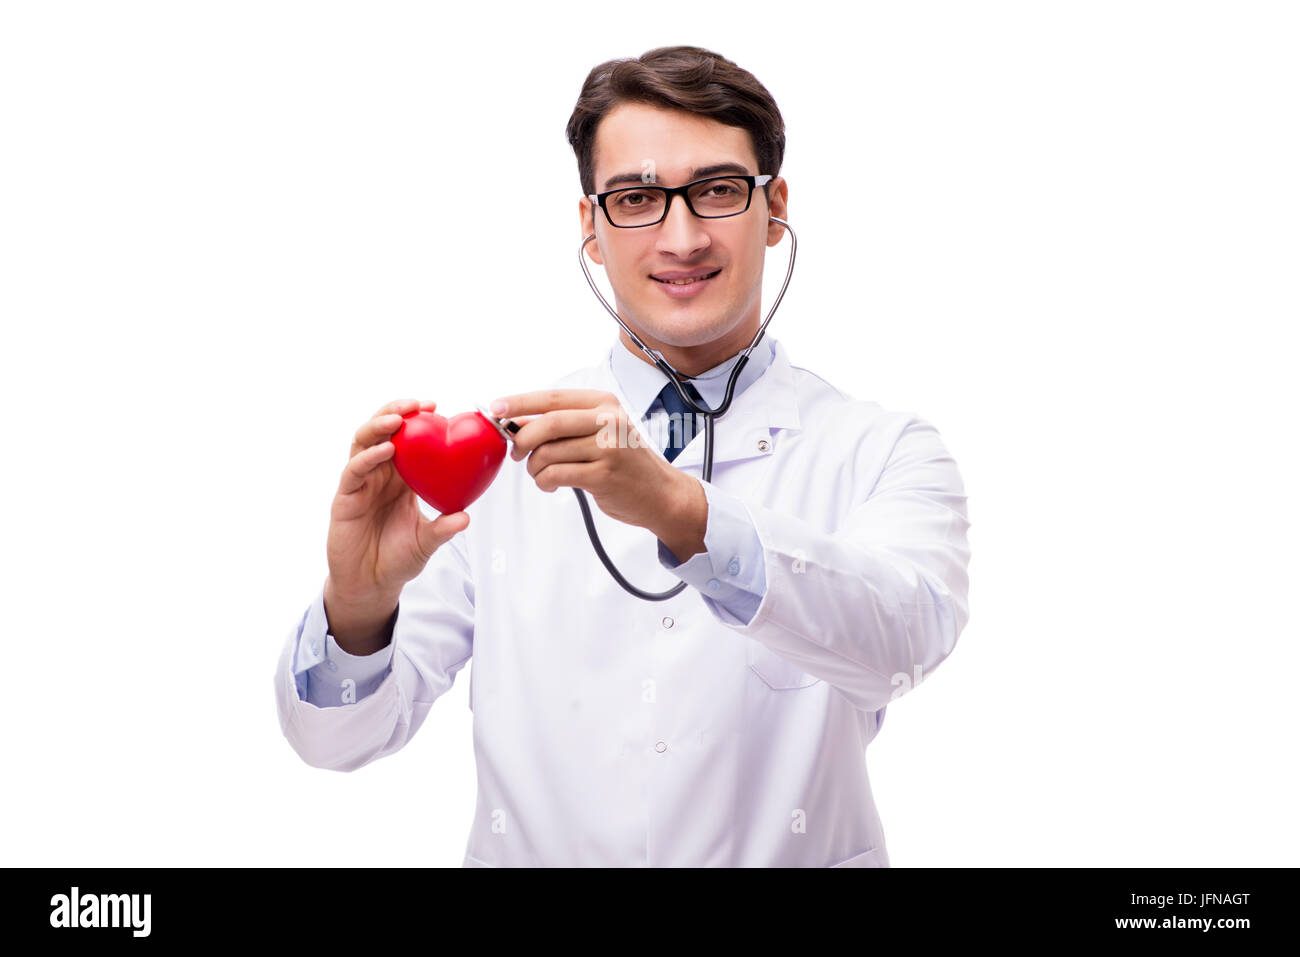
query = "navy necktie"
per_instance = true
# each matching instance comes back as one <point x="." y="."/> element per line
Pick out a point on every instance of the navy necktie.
<point x="685" y="424"/>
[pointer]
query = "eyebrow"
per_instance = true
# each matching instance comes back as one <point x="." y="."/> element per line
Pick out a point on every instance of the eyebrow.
<point x="700" y="173"/>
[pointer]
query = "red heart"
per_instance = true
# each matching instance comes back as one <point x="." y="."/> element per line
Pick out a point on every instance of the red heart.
<point x="447" y="462"/>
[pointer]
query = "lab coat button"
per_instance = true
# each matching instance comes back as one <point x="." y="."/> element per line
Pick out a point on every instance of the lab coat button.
<point x="764" y="445"/>
<point x="661" y="747"/>
<point x="315" y="647"/>
<point x="733" y="566"/>
<point x="331" y="666"/>
<point x="713" y="584"/>
<point x="668" y="622"/>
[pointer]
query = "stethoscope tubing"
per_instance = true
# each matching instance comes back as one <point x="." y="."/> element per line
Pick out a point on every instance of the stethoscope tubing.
<point x="662" y="363"/>
<point x="673" y="377"/>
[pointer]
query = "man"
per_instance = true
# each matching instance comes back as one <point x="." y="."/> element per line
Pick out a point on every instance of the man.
<point x="826" y="559"/>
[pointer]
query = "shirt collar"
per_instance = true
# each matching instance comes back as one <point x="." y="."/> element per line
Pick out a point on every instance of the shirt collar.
<point x="642" y="382"/>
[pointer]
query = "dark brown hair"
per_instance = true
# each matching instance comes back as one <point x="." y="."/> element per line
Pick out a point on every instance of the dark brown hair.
<point x="685" y="78"/>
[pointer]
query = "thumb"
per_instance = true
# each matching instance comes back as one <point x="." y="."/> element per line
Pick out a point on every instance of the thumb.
<point x="432" y="534"/>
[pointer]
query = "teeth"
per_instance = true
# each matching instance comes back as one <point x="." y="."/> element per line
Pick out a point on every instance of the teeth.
<point x="685" y="282"/>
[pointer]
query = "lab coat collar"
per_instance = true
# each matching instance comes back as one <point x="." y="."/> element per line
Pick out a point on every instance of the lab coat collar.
<point x="768" y="403"/>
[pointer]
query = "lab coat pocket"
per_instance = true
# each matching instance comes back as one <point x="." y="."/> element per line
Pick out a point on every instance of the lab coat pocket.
<point x="777" y="672"/>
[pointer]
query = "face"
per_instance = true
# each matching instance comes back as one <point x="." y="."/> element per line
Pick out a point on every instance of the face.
<point x="697" y="326"/>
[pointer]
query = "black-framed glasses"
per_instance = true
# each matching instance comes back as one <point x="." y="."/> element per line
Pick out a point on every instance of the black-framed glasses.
<point x="713" y="198"/>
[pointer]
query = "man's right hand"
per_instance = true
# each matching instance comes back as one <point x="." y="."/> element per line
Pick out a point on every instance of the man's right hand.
<point x="378" y="538"/>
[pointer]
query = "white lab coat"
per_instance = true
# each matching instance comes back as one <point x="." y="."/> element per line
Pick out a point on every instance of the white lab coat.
<point x="613" y="731"/>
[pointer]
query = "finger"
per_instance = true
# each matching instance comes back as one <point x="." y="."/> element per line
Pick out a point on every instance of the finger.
<point x="556" y="425"/>
<point x="361" y="465"/>
<point x="400" y="406"/>
<point x="548" y="400"/>
<point x="377" y="429"/>
<point x="579" y="449"/>
<point x="573" y="474"/>
<point x="432" y="534"/>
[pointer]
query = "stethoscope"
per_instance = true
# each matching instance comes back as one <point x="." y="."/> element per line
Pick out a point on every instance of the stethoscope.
<point x="675" y="379"/>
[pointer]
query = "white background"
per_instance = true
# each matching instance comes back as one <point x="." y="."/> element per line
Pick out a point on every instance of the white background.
<point x="1064" y="233"/>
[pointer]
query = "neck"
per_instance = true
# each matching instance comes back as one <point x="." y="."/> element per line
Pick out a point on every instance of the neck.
<point x="692" y="360"/>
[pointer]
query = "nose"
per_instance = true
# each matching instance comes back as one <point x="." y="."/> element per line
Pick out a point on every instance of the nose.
<point x="682" y="233"/>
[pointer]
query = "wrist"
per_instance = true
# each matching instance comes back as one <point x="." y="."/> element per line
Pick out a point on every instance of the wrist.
<point x="685" y="517"/>
<point x="366" y="599"/>
<point x="360" y="625"/>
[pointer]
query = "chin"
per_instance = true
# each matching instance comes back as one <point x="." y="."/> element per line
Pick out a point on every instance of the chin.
<point x="684" y="331"/>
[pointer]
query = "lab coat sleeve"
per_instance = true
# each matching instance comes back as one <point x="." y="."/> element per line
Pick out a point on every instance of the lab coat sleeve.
<point x="885" y="593"/>
<point x="331" y="725"/>
<point x="729" y="573"/>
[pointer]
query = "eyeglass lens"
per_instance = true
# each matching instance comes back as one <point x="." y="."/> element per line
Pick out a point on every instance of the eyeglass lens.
<point x="710" y="198"/>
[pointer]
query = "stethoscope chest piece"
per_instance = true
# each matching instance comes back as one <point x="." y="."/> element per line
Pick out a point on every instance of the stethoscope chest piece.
<point x="505" y="428"/>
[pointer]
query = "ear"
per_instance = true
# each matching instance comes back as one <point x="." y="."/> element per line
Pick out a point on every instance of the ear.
<point x="779" y="209"/>
<point x="586" y="213"/>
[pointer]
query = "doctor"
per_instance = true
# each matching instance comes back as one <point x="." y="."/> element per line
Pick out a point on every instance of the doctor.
<point x="826" y="559"/>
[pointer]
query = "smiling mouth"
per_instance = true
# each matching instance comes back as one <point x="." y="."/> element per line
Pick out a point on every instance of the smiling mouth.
<point x="686" y="282"/>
